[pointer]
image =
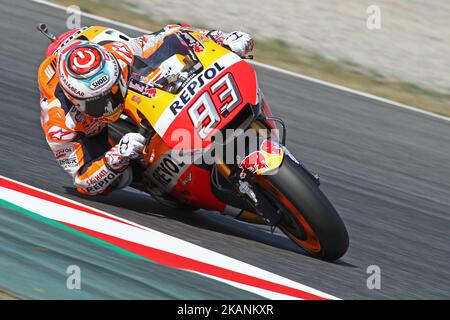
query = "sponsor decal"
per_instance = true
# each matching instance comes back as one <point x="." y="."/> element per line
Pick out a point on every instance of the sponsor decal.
<point x="65" y="152"/>
<point x="202" y="38"/>
<point x="267" y="158"/>
<point x="84" y="59"/>
<point x="195" y="45"/>
<point x="115" y="66"/>
<point x="137" y="77"/>
<point x="68" y="163"/>
<point x="61" y="134"/>
<point x="167" y="171"/>
<point x="136" y="86"/>
<point x="67" y="158"/>
<point x="71" y="87"/>
<point x="150" y="92"/>
<point x="188" y="179"/>
<point x="142" y="88"/>
<point x="198" y="48"/>
<point x="254" y="162"/>
<point x="271" y="148"/>
<point x="100" y="180"/>
<point x="97" y="177"/>
<point x="100" y="82"/>
<point x="136" y="99"/>
<point x="194" y="87"/>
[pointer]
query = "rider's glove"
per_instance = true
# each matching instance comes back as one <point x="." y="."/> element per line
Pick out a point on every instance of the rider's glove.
<point x="239" y="42"/>
<point x="131" y="145"/>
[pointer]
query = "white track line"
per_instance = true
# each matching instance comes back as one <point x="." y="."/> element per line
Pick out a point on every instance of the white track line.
<point x="269" y="67"/>
<point x="92" y="16"/>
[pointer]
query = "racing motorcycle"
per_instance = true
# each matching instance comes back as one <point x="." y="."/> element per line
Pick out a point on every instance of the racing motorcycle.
<point x="213" y="143"/>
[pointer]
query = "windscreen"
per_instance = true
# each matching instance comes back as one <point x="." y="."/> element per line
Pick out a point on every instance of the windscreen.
<point x="169" y="67"/>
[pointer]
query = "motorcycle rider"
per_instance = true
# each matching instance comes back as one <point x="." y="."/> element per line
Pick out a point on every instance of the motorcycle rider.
<point x="83" y="87"/>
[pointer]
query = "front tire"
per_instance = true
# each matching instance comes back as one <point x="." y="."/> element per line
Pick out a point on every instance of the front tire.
<point x="308" y="217"/>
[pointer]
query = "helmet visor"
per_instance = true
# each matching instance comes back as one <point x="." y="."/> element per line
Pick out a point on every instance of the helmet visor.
<point x="106" y="105"/>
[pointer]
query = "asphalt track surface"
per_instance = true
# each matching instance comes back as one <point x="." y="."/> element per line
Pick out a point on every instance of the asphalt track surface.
<point x="386" y="170"/>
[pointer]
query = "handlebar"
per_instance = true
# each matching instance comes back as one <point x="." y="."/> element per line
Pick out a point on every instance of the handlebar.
<point x="43" y="28"/>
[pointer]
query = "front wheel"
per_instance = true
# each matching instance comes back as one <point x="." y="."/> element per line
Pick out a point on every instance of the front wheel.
<point x="308" y="217"/>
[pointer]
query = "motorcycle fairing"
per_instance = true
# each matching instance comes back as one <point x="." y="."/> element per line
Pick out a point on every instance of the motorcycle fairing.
<point x="168" y="112"/>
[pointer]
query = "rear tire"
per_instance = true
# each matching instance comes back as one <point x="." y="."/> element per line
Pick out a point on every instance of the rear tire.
<point x="309" y="219"/>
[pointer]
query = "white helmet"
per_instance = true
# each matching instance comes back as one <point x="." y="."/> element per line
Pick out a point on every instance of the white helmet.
<point x="92" y="79"/>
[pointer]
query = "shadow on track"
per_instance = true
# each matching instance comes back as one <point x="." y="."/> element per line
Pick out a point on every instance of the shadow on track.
<point x="212" y="221"/>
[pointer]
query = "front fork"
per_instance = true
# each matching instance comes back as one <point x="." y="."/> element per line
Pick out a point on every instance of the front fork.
<point x="245" y="188"/>
<point x="249" y="163"/>
<point x="257" y="125"/>
<point x="254" y="163"/>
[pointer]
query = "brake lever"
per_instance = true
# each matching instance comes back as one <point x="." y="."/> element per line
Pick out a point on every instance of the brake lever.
<point x="43" y="28"/>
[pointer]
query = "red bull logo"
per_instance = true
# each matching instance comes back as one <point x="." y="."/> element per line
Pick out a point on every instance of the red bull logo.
<point x="271" y="148"/>
<point x="254" y="162"/>
<point x="150" y="92"/>
<point x="197" y="48"/>
<point x="266" y="159"/>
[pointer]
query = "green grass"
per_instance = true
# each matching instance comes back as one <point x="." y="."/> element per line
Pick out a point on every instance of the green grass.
<point x="281" y="54"/>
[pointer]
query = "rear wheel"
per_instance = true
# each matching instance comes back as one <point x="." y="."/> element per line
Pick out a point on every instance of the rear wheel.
<point x="308" y="217"/>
